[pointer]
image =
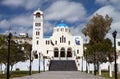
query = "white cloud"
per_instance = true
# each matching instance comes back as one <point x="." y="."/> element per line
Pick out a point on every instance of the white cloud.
<point x="115" y="3"/>
<point x="65" y="10"/>
<point x="27" y="4"/>
<point x="19" y="23"/>
<point x="22" y="20"/>
<point x="48" y="27"/>
<point x="76" y="30"/>
<point x="4" y="24"/>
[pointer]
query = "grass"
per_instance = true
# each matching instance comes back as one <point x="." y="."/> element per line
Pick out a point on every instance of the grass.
<point x="25" y="73"/>
<point x="106" y="74"/>
<point x="17" y="74"/>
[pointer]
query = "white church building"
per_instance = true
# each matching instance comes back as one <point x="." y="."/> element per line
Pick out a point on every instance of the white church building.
<point x="62" y="45"/>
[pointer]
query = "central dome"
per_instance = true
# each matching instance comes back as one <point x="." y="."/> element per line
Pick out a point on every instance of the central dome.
<point x="62" y="25"/>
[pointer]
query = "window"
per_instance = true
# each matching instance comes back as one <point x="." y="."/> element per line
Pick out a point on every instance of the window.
<point x="69" y="30"/>
<point x="47" y="51"/>
<point x="38" y="15"/>
<point x="47" y="42"/>
<point x="60" y="39"/>
<point x="55" y="42"/>
<point x="57" y="30"/>
<point x="118" y="43"/>
<point x="61" y="29"/>
<point x="36" y="56"/>
<point x="64" y="39"/>
<point x="77" y="51"/>
<point x="37" y="24"/>
<point x="37" y="33"/>
<point x="68" y="42"/>
<point x="37" y="42"/>
<point x="65" y="30"/>
<point x="37" y="37"/>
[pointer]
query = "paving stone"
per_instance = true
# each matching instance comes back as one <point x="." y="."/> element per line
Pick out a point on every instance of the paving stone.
<point x="61" y="75"/>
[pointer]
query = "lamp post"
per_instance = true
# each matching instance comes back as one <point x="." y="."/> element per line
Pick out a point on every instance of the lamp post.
<point x="30" y="68"/>
<point x="8" y="55"/>
<point x="86" y="57"/>
<point x="94" y="63"/>
<point x="39" y="62"/>
<point x="115" y="66"/>
<point x="44" y="63"/>
<point x="86" y="64"/>
<point x="82" y="63"/>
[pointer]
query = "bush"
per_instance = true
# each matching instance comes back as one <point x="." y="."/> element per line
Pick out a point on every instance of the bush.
<point x="17" y="69"/>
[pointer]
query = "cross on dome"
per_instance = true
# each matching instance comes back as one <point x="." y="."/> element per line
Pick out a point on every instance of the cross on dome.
<point x="62" y="24"/>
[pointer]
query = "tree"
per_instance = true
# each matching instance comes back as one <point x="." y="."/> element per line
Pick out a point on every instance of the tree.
<point x="97" y="28"/>
<point x="16" y="52"/>
<point x="3" y="47"/>
<point x="27" y="49"/>
<point x="99" y="46"/>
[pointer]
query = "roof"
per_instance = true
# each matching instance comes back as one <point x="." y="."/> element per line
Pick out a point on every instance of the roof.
<point x="62" y="25"/>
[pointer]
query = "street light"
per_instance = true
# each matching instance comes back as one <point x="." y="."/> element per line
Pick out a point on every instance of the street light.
<point x="82" y="63"/>
<point x="30" y="69"/>
<point x="8" y="55"/>
<point x="86" y="64"/>
<point x="85" y="56"/>
<point x="115" y="68"/>
<point x="44" y="63"/>
<point x="94" y="62"/>
<point x="39" y="62"/>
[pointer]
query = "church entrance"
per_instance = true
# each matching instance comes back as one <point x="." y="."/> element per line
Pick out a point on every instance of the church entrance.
<point x="62" y="52"/>
<point x="69" y="52"/>
<point x="56" y="52"/>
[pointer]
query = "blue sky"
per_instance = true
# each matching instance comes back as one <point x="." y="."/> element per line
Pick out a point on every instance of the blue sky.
<point x="75" y="13"/>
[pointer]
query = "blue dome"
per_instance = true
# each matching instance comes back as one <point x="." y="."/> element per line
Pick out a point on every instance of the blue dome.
<point x="62" y="25"/>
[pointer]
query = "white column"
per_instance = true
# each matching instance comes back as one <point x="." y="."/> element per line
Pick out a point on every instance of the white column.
<point x="99" y="69"/>
<point x="110" y="69"/>
<point x="88" y="68"/>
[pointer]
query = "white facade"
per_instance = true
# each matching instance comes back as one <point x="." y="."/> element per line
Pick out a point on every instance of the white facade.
<point x="118" y="53"/>
<point x="61" y="45"/>
<point x="118" y="45"/>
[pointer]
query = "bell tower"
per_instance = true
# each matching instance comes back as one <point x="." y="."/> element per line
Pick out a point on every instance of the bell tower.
<point x="37" y="29"/>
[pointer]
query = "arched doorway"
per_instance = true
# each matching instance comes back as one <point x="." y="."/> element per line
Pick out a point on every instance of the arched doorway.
<point x="69" y="52"/>
<point x="56" y="52"/>
<point x="62" y="52"/>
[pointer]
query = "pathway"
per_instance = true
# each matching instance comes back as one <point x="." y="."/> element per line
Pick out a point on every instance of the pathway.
<point x="61" y="75"/>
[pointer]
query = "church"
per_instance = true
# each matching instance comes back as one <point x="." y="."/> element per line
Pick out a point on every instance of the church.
<point x="62" y="45"/>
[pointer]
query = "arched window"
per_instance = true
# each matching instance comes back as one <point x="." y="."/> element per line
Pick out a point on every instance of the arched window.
<point x="37" y="33"/>
<point x="65" y="29"/>
<point x="38" y="15"/>
<point x="56" y="52"/>
<point x="60" y="40"/>
<point x="69" y="52"/>
<point x="64" y="39"/>
<point x="62" y="52"/>
<point x="68" y="42"/>
<point x="57" y="30"/>
<point x="35" y="54"/>
<point x="37" y="42"/>
<point x="77" y="51"/>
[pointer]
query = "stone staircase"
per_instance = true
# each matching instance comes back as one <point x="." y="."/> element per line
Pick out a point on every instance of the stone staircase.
<point x="62" y="65"/>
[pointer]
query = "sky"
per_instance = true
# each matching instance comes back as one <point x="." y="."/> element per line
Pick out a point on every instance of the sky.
<point x="18" y="14"/>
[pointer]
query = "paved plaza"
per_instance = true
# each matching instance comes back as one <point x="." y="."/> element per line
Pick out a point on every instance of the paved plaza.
<point x="61" y="75"/>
